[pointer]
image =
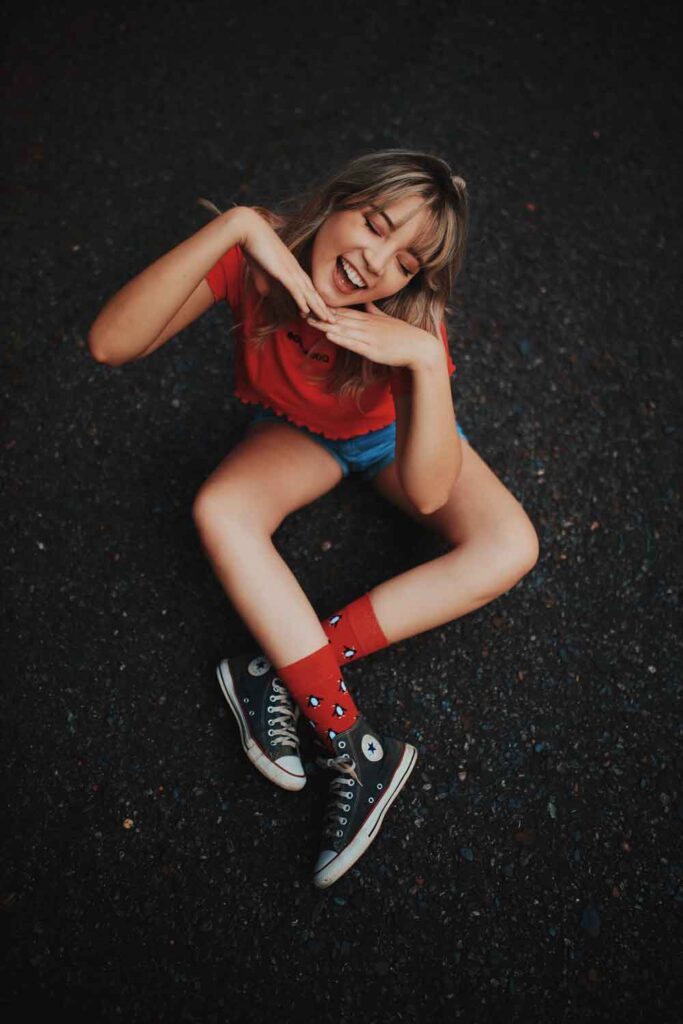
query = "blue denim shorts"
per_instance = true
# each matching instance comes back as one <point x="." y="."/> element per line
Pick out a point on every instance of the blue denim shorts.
<point x="364" y="455"/>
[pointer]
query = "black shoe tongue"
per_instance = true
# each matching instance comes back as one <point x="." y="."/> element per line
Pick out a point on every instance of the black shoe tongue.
<point x="350" y="737"/>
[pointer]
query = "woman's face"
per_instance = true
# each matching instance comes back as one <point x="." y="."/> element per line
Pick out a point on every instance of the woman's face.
<point x="380" y="255"/>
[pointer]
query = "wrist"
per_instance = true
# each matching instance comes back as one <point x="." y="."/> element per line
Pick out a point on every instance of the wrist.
<point x="429" y="354"/>
<point x="241" y="217"/>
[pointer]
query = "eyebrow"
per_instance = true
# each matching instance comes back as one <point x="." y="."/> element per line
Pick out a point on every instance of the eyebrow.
<point x="392" y="227"/>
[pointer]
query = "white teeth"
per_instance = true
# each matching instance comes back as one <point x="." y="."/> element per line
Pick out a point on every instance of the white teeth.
<point x="352" y="275"/>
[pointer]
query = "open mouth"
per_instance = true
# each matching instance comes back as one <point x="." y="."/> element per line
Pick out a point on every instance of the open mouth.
<point x="342" y="279"/>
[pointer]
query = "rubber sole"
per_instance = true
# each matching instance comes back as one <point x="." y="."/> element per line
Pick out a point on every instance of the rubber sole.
<point x="260" y="760"/>
<point x="371" y="826"/>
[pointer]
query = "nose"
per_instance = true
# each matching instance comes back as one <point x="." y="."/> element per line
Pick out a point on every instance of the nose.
<point x="374" y="262"/>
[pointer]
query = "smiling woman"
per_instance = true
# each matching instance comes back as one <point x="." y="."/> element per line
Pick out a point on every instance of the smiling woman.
<point x="399" y="219"/>
<point x="369" y="258"/>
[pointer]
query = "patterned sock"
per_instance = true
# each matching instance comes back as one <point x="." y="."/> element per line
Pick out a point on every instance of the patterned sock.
<point x="354" y="632"/>
<point x="315" y="683"/>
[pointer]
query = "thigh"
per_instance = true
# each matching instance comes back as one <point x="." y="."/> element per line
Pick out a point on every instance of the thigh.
<point x="479" y="504"/>
<point x="272" y="471"/>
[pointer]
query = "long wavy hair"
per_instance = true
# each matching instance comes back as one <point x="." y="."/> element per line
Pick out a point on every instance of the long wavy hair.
<point x="379" y="178"/>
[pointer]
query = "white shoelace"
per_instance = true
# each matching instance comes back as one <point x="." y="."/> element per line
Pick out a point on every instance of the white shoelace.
<point x="333" y="817"/>
<point x="285" y="733"/>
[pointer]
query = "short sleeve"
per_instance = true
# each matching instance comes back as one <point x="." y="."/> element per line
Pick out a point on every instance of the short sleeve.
<point x="451" y="364"/>
<point x="401" y="378"/>
<point x="224" y="278"/>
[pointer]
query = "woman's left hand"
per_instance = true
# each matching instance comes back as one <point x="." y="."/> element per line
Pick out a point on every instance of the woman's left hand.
<point x="377" y="336"/>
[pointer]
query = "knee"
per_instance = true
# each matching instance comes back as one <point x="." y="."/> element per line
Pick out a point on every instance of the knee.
<point x="522" y="548"/>
<point x="515" y="548"/>
<point x="211" y="511"/>
<point x="229" y="512"/>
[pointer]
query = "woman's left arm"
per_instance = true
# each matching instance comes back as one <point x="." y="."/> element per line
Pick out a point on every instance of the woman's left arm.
<point x="428" y="448"/>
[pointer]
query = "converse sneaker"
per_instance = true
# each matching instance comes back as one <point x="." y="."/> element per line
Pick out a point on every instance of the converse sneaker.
<point x="372" y="772"/>
<point x="267" y="717"/>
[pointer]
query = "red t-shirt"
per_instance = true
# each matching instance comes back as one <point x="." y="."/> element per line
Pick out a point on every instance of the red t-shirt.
<point x="273" y="377"/>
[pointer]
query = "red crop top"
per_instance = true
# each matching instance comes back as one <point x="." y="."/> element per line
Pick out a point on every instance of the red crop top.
<point x="273" y="376"/>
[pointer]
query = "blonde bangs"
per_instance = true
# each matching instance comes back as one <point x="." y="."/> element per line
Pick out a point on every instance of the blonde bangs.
<point x="438" y="241"/>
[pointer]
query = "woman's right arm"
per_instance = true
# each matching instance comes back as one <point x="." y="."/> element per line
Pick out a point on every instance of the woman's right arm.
<point x="132" y="319"/>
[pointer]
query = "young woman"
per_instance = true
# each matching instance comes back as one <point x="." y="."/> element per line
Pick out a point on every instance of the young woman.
<point x="342" y="359"/>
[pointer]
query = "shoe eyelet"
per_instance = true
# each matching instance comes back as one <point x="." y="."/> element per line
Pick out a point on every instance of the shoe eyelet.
<point x="270" y="732"/>
<point x="342" y="744"/>
<point x="270" y="709"/>
<point x="339" y="832"/>
<point x="347" y="807"/>
<point x="352" y="782"/>
<point x="246" y="700"/>
<point x="343" y="821"/>
<point x="380" y="786"/>
<point x="371" y="799"/>
<point x="270" y="721"/>
<point x="251" y="712"/>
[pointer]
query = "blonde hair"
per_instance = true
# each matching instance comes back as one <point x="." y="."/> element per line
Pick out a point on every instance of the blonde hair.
<point x="380" y="178"/>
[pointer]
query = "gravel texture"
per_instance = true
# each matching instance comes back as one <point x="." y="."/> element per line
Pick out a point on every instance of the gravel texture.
<point x="531" y="870"/>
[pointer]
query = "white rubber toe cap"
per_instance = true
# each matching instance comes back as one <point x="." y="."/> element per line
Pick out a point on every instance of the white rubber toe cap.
<point x="292" y="764"/>
<point x="325" y="858"/>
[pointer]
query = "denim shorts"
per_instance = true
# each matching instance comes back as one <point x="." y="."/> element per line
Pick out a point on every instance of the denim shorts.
<point x="364" y="455"/>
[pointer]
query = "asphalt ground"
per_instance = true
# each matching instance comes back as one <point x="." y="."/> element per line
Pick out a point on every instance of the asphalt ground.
<point x="531" y="869"/>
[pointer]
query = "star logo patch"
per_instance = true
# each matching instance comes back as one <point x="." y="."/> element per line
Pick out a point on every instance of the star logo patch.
<point x="258" y="666"/>
<point x="371" y="747"/>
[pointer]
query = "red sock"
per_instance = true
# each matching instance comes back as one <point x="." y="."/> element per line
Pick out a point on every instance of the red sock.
<point x="315" y="683"/>
<point x="354" y="632"/>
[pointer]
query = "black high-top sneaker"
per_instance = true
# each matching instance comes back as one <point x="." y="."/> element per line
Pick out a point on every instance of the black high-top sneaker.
<point x="372" y="772"/>
<point x="267" y="717"/>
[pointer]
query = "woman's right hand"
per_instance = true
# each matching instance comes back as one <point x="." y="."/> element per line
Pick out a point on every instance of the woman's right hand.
<point x="264" y="246"/>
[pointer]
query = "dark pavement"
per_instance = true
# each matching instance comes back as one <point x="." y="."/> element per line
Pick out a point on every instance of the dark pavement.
<point x="531" y="869"/>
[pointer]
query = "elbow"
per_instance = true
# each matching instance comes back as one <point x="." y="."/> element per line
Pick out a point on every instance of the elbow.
<point x="95" y="346"/>
<point x="99" y="351"/>
<point x="427" y="510"/>
<point x="432" y="506"/>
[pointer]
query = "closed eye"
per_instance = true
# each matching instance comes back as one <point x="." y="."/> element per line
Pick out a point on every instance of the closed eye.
<point x="371" y="225"/>
<point x="374" y="230"/>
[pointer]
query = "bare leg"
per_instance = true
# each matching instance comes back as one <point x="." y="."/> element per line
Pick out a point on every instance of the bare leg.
<point x="495" y="544"/>
<point x="264" y="591"/>
<point x="439" y="591"/>
<point x="270" y="473"/>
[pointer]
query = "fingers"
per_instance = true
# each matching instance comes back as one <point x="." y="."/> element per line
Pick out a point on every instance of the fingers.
<point x="317" y="305"/>
<point x="308" y="301"/>
<point x="344" y="334"/>
<point x="344" y="328"/>
<point x="265" y="251"/>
